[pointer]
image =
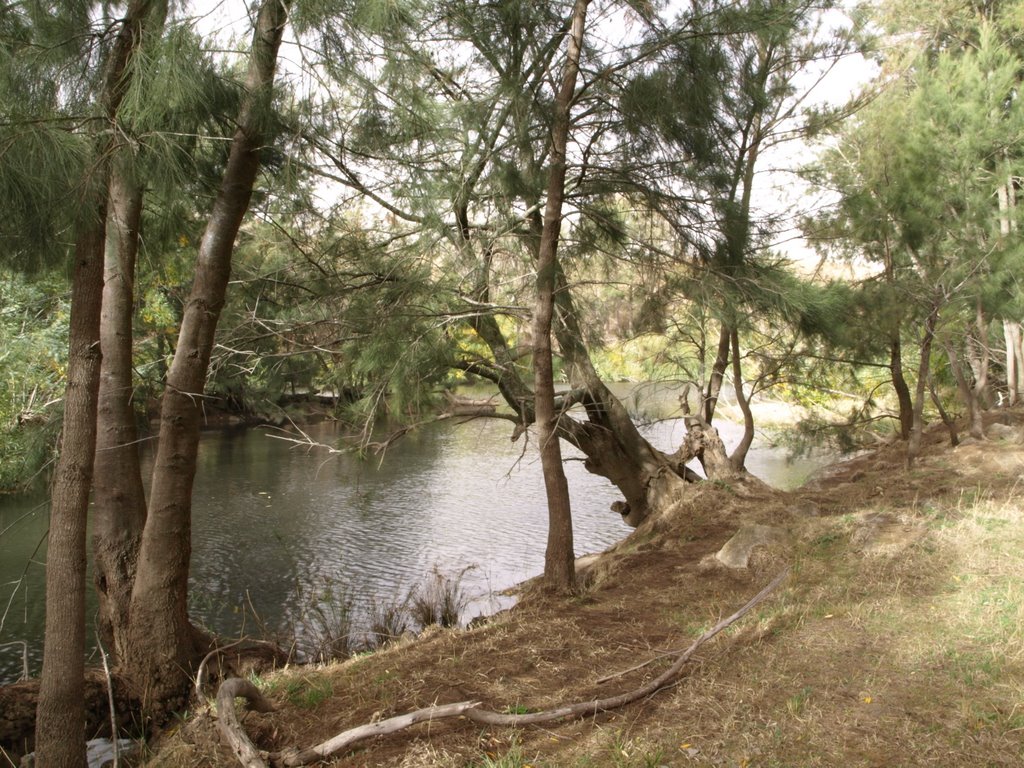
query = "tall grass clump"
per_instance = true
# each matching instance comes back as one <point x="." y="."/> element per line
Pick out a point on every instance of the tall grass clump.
<point x="441" y="600"/>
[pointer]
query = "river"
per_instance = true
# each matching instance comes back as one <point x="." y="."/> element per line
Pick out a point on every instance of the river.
<point x="277" y="526"/>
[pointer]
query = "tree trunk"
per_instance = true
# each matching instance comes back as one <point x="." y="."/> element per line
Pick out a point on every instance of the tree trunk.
<point x="119" y="498"/>
<point x="923" y="374"/>
<point x="738" y="458"/>
<point x="161" y="646"/>
<point x="60" y="716"/>
<point x="949" y="421"/>
<point x="978" y="356"/>
<point x="559" y="558"/>
<point x="1012" y="337"/>
<point x="717" y="374"/>
<point x="899" y="383"/>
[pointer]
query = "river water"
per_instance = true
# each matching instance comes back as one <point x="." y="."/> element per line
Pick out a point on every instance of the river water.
<point x="277" y="526"/>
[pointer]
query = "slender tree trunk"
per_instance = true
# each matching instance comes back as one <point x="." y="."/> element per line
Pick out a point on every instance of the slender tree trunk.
<point x="559" y="558"/>
<point x="60" y="714"/>
<point x="1015" y="360"/>
<point x="923" y="374"/>
<point x="738" y="458"/>
<point x="1012" y="337"/>
<point x="978" y="356"/>
<point x="949" y="421"/>
<point x="717" y="373"/>
<point x="899" y="383"/>
<point x="119" y="498"/>
<point x="161" y="648"/>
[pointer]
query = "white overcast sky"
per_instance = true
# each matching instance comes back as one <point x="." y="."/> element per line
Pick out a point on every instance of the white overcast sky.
<point x="229" y="25"/>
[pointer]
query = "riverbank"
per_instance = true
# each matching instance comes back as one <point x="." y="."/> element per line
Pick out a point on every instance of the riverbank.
<point x="897" y="639"/>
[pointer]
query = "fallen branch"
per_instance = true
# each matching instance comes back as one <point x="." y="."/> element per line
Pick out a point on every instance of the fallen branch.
<point x="251" y="758"/>
<point x="584" y="708"/>
<point x="344" y="740"/>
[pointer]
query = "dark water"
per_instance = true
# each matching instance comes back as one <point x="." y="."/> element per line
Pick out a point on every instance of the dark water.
<point x="277" y="527"/>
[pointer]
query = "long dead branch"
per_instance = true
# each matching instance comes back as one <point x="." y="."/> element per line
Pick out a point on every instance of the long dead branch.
<point x="584" y="708"/>
<point x="344" y="740"/>
<point x="250" y="757"/>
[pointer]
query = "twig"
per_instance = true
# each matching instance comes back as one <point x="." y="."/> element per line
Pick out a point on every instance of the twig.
<point x="110" y="702"/>
<point x="201" y="671"/>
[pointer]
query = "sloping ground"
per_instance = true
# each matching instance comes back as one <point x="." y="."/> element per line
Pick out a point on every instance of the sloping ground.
<point x="898" y="640"/>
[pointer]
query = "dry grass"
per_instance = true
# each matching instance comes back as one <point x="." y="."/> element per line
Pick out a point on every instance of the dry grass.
<point x="898" y="641"/>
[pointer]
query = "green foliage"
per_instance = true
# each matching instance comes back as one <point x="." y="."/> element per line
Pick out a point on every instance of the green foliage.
<point x="33" y="359"/>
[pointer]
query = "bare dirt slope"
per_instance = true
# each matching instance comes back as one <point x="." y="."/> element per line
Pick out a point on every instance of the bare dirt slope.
<point x="898" y="640"/>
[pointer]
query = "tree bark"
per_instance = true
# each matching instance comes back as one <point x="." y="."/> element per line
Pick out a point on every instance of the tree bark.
<point x="923" y="374"/>
<point x="559" y="557"/>
<point x="717" y="374"/>
<point x="738" y="458"/>
<point x="899" y="383"/>
<point x="161" y="647"/>
<point x="60" y="716"/>
<point x="119" y="497"/>
<point x="1014" y="360"/>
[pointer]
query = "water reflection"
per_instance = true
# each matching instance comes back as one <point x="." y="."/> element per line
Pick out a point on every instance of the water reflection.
<point x="274" y="523"/>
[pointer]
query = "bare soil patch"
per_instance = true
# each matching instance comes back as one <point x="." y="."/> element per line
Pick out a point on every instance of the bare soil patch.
<point x="897" y="641"/>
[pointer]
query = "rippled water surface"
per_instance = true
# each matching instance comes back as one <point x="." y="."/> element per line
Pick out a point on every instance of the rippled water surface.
<point x="275" y="525"/>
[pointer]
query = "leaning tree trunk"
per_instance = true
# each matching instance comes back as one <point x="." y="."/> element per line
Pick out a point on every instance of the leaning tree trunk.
<point x="119" y="497"/>
<point x="162" y="646"/>
<point x="559" y="558"/>
<point x="717" y="374"/>
<point x="60" y="715"/>
<point x="649" y="479"/>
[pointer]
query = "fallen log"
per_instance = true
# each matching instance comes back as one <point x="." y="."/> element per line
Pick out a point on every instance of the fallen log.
<point x="250" y="757"/>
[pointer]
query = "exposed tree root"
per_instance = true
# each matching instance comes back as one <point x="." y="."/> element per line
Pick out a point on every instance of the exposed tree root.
<point x="250" y="757"/>
<point x="227" y="719"/>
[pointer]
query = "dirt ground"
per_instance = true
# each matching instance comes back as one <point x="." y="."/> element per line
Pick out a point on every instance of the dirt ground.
<point x="897" y="640"/>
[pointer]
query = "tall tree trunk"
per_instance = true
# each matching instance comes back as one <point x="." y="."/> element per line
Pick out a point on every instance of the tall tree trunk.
<point x="60" y="714"/>
<point x="119" y="497"/>
<point x="899" y="383"/>
<point x="161" y="647"/>
<point x="978" y="356"/>
<point x="1011" y="328"/>
<point x="923" y="374"/>
<point x="559" y="558"/>
<point x="1011" y="337"/>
